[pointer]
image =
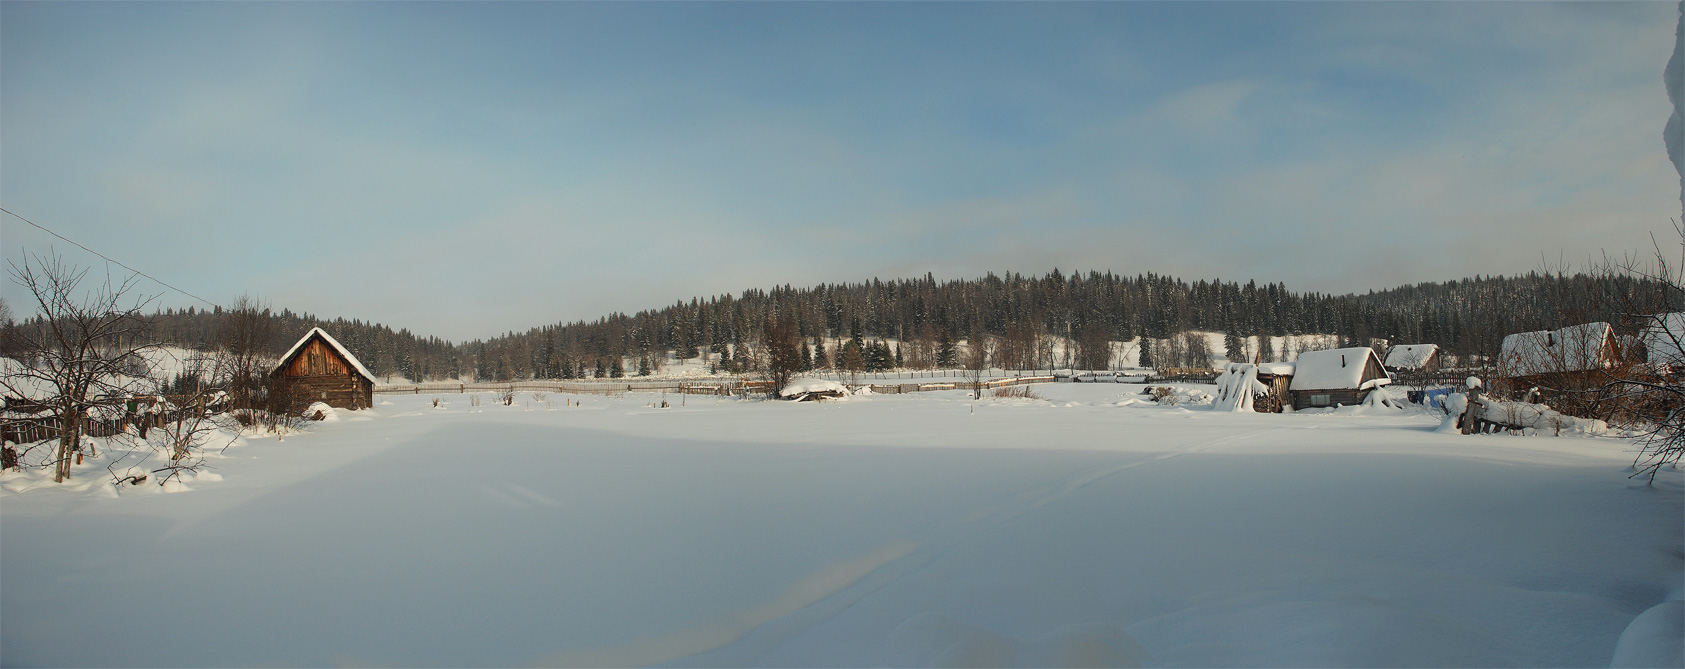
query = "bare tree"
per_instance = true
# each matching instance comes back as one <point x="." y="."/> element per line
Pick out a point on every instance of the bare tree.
<point x="976" y="362"/>
<point x="1649" y="384"/>
<point x="782" y="341"/>
<point x="81" y="344"/>
<point x="1196" y="350"/>
<point x="244" y="340"/>
<point x="194" y="413"/>
<point x="1094" y="347"/>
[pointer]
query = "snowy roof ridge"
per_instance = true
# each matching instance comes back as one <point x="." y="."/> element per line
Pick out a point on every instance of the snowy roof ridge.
<point x="1333" y="369"/>
<point x="355" y="363"/>
<point x="1410" y="356"/>
<point x="1575" y="348"/>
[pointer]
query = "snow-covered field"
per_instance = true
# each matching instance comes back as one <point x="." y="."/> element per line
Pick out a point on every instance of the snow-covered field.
<point x="1082" y="529"/>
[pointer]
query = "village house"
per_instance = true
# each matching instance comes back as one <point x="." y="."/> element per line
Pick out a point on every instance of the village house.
<point x="1558" y="357"/>
<point x="319" y="369"/>
<point x="1336" y="377"/>
<point x="1412" y="359"/>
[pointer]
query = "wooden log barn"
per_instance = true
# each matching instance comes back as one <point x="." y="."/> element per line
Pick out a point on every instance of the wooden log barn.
<point x="319" y="369"/>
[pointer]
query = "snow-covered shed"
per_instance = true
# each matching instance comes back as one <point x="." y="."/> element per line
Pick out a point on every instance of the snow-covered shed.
<point x="1336" y="376"/>
<point x="1412" y="358"/>
<point x="1580" y="348"/>
<point x="1277" y="376"/>
<point x="319" y="369"/>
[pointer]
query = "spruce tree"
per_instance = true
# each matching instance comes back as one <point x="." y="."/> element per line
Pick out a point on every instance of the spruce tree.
<point x="1266" y="349"/>
<point x="643" y="365"/>
<point x="1147" y="353"/>
<point x="805" y="358"/>
<point x="617" y="369"/>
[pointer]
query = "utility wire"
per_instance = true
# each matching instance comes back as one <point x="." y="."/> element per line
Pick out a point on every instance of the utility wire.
<point x="109" y="259"/>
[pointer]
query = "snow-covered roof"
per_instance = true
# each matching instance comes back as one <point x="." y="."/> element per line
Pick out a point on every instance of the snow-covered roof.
<point x="1664" y="339"/>
<point x="1410" y="356"/>
<point x="1333" y="369"/>
<point x="355" y="364"/>
<point x="1276" y="368"/>
<point x="1575" y="348"/>
<point x="799" y="386"/>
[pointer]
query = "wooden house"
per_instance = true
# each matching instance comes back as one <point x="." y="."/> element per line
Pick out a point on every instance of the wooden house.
<point x="1412" y="359"/>
<point x="319" y="369"/>
<point x="1341" y="376"/>
<point x="1558" y="357"/>
<point x="1567" y="367"/>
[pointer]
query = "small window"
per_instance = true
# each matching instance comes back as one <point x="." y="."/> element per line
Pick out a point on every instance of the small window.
<point x="1321" y="400"/>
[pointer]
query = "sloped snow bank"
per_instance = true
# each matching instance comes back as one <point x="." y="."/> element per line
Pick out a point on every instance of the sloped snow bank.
<point x="1656" y="638"/>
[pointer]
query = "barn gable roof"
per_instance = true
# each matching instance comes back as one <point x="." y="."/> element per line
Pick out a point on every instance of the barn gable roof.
<point x="330" y="341"/>
<point x="1335" y="369"/>
<point x="1664" y="338"/>
<point x="1575" y="348"/>
<point x="1411" y="356"/>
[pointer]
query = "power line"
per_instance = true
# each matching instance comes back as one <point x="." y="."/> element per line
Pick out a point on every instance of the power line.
<point x="109" y="259"/>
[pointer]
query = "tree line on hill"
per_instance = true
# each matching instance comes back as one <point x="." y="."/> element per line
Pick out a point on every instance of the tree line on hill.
<point x="919" y="323"/>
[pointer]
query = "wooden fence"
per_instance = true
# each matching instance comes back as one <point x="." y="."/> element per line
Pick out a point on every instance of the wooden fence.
<point x="725" y="387"/>
<point x="23" y="429"/>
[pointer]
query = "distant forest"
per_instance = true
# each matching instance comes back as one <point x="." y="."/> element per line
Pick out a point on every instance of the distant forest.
<point x="924" y="318"/>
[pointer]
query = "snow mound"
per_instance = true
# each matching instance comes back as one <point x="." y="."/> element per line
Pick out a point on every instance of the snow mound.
<point x="1237" y="386"/>
<point x="799" y="386"/>
<point x="1382" y="397"/>
<point x="1653" y="639"/>
<point x="1170" y="396"/>
<point x="1535" y="418"/>
<point x="321" y="411"/>
<point x="1541" y="418"/>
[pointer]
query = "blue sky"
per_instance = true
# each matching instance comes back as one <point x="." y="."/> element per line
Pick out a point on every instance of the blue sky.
<point x="467" y="169"/>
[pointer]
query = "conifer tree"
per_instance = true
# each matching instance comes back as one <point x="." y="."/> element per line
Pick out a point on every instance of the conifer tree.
<point x="1147" y="353"/>
<point x="617" y="369"/>
<point x="643" y="365"/>
<point x="804" y="358"/>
